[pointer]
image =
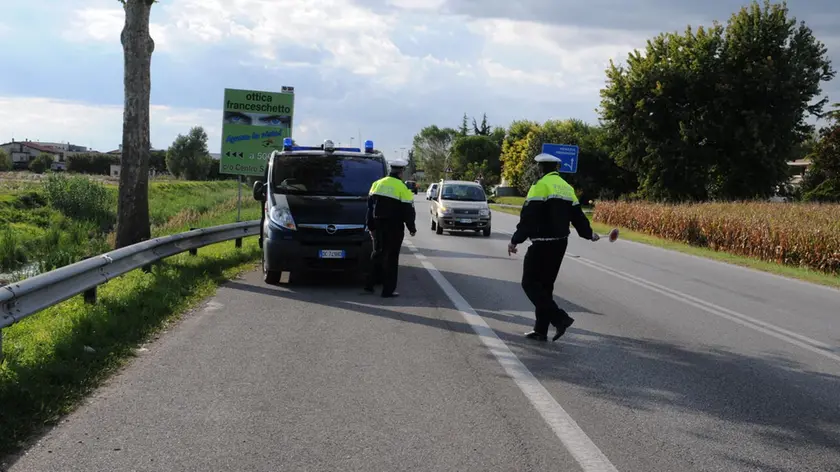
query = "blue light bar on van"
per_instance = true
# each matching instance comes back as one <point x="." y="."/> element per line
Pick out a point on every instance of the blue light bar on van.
<point x="287" y="144"/>
<point x="368" y="146"/>
<point x="319" y="148"/>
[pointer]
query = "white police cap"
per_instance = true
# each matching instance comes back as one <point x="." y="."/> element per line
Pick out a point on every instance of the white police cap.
<point x="546" y="158"/>
<point x="398" y="163"/>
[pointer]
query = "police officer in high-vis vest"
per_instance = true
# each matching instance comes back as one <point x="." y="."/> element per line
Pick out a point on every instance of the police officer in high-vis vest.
<point x="549" y="208"/>
<point x="390" y="210"/>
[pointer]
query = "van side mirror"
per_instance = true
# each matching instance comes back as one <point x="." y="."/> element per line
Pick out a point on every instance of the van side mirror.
<point x="259" y="191"/>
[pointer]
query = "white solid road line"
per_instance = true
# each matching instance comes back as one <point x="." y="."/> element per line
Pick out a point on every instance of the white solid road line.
<point x="585" y="452"/>
<point x="777" y="332"/>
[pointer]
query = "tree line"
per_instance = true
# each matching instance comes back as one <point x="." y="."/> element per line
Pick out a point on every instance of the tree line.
<point x="708" y="114"/>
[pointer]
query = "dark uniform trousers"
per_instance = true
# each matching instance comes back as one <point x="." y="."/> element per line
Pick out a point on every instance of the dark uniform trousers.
<point x="387" y="243"/>
<point x="539" y="272"/>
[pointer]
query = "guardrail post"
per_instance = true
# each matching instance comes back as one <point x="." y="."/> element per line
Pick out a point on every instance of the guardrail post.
<point x="193" y="251"/>
<point x="147" y="269"/>
<point x="1" y="345"/>
<point x="238" y="242"/>
<point x="90" y="295"/>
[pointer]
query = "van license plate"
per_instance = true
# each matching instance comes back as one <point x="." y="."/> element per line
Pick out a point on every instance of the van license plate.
<point x="465" y="220"/>
<point x="331" y="254"/>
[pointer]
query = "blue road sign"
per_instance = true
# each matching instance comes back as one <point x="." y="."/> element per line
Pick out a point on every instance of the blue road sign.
<point x="568" y="154"/>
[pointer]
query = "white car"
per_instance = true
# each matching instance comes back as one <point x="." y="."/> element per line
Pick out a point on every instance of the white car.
<point x="458" y="205"/>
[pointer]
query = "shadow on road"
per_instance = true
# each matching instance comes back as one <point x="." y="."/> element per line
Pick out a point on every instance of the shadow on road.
<point x="790" y="409"/>
<point x="456" y="254"/>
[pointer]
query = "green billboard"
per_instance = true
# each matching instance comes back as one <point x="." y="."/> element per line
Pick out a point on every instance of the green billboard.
<point x="254" y="124"/>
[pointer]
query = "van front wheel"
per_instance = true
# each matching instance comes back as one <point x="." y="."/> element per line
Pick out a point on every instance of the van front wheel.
<point x="271" y="277"/>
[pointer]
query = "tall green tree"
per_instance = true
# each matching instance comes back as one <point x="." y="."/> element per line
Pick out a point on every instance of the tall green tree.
<point x="5" y="161"/>
<point x="432" y="149"/>
<point x="475" y="149"/>
<point x="133" y="223"/>
<point x="484" y="129"/>
<point x="188" y="157"/>
<point x="515" y="156"/>
<point x="716" y="113"/>
<point x="464" y="129"/>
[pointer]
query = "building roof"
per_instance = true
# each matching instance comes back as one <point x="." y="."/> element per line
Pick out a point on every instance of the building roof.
<point x="35" y="146"/>
<point x="800" y="163"/>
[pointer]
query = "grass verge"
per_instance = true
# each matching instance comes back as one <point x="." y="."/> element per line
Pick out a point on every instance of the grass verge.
<point x="770" y="267"/>
<point x="63" y="219"/>
<point x="47" y="369"/>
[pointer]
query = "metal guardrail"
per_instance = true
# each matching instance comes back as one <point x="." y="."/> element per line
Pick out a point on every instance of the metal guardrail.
<point x="27" y="297"/>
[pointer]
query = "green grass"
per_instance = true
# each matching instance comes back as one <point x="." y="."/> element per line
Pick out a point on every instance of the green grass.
<point x="47" y="371"/>
<point x="47" y="224"/>
<point x="518" y="201"/>
<point x="773" y="268"/>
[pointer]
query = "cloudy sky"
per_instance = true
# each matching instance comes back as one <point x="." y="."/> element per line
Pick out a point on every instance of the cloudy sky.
<point x="383" y="67"/>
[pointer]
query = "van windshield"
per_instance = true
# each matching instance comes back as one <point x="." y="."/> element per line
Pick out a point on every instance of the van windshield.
<point x="463" y="193"/>
<point x="325" y="175"/>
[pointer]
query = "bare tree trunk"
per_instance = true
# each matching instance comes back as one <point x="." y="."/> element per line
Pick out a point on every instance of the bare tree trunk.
<point x="133" y="207"/>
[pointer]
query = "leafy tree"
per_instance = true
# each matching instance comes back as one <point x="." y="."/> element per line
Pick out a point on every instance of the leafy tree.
<point x="822" y="181"/>
<point x="188" y="157"/>
<point x="133" y="202"/>
<point x="475" y="149"/>
<point x="716" y="113"/>
<point x="464" y="130"/>
<point x="412" y="164"/>
<point x="598" y="176"/>
<point x="431" y="148"/>
<point x="157" y="161"/>
<point x="515" y="158"/>
<point x="41" y="163"/>
<point x="484" y="130"/>
<point x="92" y="163"/>
<point x="5" y="161"/>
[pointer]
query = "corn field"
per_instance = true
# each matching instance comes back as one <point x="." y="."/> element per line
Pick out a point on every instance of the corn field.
<point x="802" y="235"/>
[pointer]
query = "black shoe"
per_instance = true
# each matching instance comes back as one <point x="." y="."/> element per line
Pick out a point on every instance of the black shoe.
<point x="561" y="330"/>
<point x="536" y="336"/>
<point x="390" y="295"/>
<point x="369" y="288"/>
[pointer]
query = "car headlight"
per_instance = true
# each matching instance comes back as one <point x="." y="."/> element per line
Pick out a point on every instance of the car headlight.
<point x="281" y="217"/>
<point x="443" y="211"/>
<point x="484" y="212"/>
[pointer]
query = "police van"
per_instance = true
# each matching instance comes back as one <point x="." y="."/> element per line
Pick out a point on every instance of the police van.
<point x="315" y="202"/>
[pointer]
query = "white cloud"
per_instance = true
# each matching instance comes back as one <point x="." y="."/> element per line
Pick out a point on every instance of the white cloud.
<point x="570" y="58"/>
<point x="105" y="25"/>
<point x="429" y="5"/>
<point x="100" y="126"/>
<point x="356" y="39"/>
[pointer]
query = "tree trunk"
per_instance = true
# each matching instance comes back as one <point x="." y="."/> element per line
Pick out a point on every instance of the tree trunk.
<point x="133" y="206"/>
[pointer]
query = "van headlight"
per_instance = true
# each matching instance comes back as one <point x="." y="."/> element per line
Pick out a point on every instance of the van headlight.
<point x="281" y="217"/>
<point x="484" y="212"/>
<point x="443" y="211"/>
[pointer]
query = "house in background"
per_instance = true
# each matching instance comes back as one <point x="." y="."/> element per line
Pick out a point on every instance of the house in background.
<point x="797" y="171"/>
<point x="23" y="152"/>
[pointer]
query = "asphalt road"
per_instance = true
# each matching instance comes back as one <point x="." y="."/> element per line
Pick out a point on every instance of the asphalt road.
<point x="675" y="363"/>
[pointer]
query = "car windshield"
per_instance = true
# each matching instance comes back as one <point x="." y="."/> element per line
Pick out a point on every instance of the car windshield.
<point x="463" y="193"/>
<point x="325" y="175"/>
